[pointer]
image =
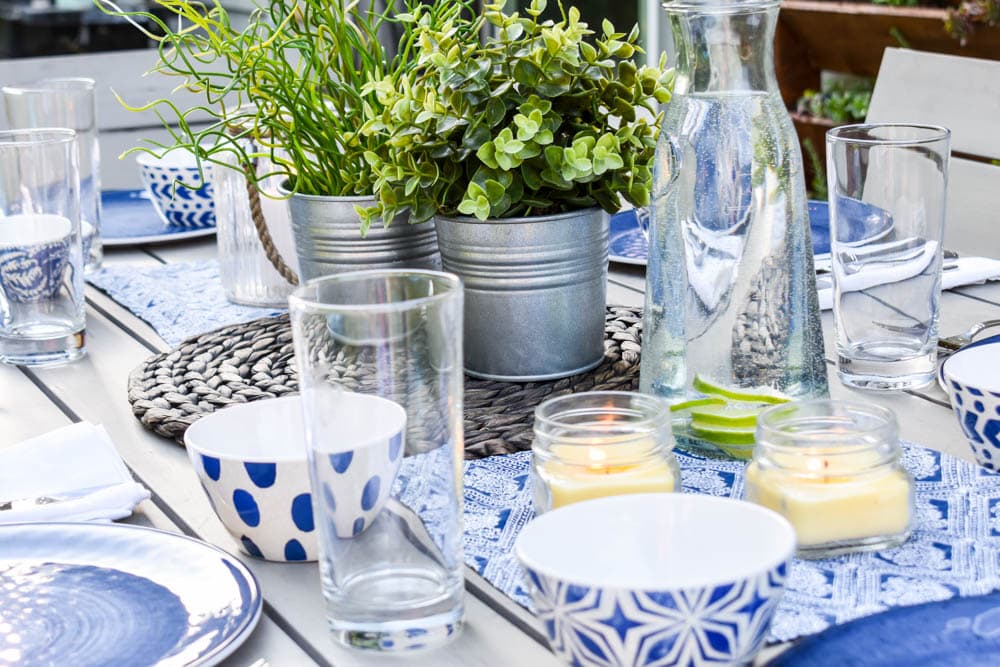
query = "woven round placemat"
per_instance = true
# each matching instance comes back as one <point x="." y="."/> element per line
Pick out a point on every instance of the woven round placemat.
<point x="247" y="362"/>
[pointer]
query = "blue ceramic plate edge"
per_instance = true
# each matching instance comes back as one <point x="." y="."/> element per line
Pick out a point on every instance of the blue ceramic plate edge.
<point x="236" y="639"/>
<point x="148" y="239"/>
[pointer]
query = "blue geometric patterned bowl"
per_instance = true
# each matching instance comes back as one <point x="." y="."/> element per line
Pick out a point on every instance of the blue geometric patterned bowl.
<point x="656" y="579"/>
<point x="178" y="205"/>
<point x="251" y="461"/>
<point x="34" y="254"/>
<point x="972" y="379"/>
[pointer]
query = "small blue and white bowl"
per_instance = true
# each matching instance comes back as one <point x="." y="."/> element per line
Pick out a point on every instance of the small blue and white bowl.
<point x="178" y="205"/>
<point x="972" y="380"/>
<point x="34" y="256"/>
<point x="251" y="461"/>
<point x="656" y="579"/>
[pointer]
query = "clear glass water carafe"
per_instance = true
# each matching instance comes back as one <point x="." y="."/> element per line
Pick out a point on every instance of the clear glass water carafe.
<point x="730" y="282"/>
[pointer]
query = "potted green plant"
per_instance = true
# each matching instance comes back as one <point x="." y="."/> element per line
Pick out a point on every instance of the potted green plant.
<point x="289" y="89"/>
<point x="518" y="145"/>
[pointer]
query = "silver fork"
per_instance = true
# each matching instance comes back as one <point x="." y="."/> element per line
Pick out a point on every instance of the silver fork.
<point x="961" y="340"/>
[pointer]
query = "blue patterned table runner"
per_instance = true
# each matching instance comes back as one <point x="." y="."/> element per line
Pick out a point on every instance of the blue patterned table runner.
<point x="954" y="549"/>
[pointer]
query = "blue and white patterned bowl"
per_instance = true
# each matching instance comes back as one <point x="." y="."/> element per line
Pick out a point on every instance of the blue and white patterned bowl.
<point x="972" y="379"/>
<point x="251" y="461"/>
<point x="34" y="256"/>
<point x="656" y="579"/>
<point x="179" y="206"/>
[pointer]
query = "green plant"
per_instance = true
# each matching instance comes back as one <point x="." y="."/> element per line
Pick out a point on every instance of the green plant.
<point x="963" y="19"/>
<point x="290" y="86"/>
<point x="838" y="102"/>
<point x="536" y="120"/>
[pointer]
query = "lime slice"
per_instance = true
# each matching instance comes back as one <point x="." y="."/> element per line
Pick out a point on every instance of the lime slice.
<point x="729" y="414"/>
<point x="756" y="395"/>
<point x="687" y="405"/>
<point x="723" y="435"/>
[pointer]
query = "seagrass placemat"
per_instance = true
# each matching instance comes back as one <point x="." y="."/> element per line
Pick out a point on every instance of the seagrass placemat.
<point x="254" y="360"/>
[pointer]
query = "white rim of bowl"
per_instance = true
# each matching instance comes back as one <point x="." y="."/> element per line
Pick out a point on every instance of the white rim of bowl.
<point x="605" y="581"/>
<point x="196" y="443"/>
<point x="948" y="378"/>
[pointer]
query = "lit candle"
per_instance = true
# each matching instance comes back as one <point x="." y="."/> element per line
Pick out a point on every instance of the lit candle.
<point x="602" y="444"/>
<point x="832" y="469"/>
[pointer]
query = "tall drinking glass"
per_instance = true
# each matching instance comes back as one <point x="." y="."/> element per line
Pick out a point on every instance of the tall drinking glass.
<point x="69" y="103"/>
<point x="887" y="185"/>
<point x="41" y="251"/>
<point x="379" y="355"/>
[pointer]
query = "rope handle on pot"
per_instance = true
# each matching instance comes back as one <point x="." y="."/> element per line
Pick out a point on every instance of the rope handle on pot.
<point x="260" y="224"/>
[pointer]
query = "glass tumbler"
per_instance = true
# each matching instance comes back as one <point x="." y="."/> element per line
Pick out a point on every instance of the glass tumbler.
<point x="887" y="190"/>
<point x="69" y="103"/>
<point x="379" y="355"/>
<point x="601" y="443"/>
<point x="41" y="251"/>
<point x="832" y="468"/>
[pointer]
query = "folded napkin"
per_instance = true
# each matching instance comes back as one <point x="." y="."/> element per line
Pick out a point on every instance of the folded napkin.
<point x="78" y="467"/>
<point x="968" y="271"/>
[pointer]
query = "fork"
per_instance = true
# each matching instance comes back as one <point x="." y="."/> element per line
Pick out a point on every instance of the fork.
<point x="957" y="341"/>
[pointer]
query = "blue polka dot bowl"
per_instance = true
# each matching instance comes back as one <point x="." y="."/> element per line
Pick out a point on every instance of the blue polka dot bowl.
<point x="358" y="444"/>
<point x="179" y="206"/>
<point x="971" y="377"/>
<point x="35" y="253"/>
<point x="251" y="461"/>
<point x="656" y="579"/>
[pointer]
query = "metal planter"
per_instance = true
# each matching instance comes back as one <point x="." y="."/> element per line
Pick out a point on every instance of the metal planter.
<point x="535" y="292"/>
<point x="328" y="238"/>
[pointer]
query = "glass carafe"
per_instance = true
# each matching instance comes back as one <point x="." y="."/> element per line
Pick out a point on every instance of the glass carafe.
<point x="731" y="302"/>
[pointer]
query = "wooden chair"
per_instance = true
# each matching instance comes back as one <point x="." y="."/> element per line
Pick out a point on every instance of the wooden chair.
<point x="962" y="94"/>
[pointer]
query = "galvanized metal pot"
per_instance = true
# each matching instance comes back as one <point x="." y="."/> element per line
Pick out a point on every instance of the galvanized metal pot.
<point x="535" y="291"/>
<point x="328" y="238"/>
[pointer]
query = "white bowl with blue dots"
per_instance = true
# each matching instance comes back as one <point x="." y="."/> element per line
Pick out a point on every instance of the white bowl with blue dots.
<point x="179" y="206"/>
<point x="972" y="379"/>
<point x="251" y="461"/>
<point x="357" y="442"/>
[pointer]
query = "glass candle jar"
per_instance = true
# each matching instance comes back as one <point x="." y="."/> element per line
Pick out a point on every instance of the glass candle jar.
<point x="601" y="443"/>
<point x="833" y="469"/>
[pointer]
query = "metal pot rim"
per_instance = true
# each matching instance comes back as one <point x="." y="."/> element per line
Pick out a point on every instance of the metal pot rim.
<point x="283" y="189"/>
<point x="468" y="219"/>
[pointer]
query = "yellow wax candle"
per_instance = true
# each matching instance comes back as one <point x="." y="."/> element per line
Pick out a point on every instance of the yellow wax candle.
<point x="586" y="471"/>
<point x="834" y="498"/>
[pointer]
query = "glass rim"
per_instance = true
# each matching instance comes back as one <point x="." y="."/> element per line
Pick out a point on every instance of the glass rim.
<point x="299" y="300"/>
<point x="837" y="134"/>
<point x="655" y="415"/>
<point x="45" y="85"/>
<point x="716" y="6"/>
<point x="791" y="441"/>
<point x="36" y="136"/>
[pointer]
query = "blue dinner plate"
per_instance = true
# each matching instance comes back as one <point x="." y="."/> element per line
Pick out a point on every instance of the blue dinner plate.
<point x="128" y="218"/>
<point x="628" y="243"/>
<point x="111" y="594"/>
<point x="960" y="632"/>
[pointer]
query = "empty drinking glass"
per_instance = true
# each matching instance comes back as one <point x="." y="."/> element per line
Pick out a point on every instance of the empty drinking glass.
<point x="69" y="103"/>
<point x="887" y="185"/>
<point x="41" y="252"/>
<point x="379" y="355"/>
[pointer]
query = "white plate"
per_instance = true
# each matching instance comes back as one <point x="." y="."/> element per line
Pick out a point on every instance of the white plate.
<point x="87" y="594"/>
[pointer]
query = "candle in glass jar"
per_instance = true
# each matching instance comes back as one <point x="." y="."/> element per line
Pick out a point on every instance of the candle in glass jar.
<point x="602" y="444"/>
<point x="832" y="469"/>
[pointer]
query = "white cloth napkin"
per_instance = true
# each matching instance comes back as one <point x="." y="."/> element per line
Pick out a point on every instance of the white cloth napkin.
<point x="77" y="461"/>
<point x="969" y="271"/>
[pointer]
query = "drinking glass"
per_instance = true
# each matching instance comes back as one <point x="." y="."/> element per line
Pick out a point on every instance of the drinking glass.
<point x="379" y="355"/>
<point x="887" y="185"/>
<point x="41" y="251"/>
<point x="69" y="103"/>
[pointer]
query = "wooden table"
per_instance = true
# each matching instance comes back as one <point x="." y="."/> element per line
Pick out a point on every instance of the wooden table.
<point x="293" y="628"/>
